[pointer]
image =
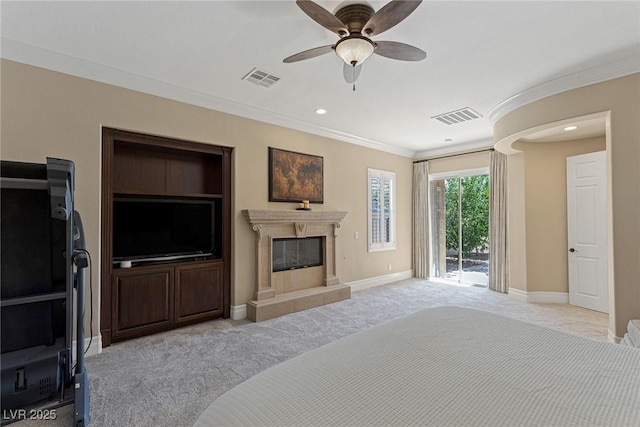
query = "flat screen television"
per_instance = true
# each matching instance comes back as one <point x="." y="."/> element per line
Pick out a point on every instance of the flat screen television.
<point x="159" y="229"/>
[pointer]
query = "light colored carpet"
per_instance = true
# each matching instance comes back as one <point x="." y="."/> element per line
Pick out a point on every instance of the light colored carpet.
<point x="168" y="379"/>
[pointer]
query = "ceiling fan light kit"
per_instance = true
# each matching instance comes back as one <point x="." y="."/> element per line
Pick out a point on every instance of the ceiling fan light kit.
<point x="354" y="50"/>
<point x="354" y="24"/>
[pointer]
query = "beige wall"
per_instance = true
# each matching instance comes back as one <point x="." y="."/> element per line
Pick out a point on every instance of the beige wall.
<point x="621" y="98"/>
<point x="45" y="113"/>
<point x="545" y="192"/>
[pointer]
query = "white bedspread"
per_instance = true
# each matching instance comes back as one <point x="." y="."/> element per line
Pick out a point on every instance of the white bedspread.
<point x="444" y="366"/>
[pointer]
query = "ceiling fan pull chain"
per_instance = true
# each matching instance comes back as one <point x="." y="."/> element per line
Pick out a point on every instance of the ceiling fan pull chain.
<point x="353" y="70"/>
<point x="354" y="79"/>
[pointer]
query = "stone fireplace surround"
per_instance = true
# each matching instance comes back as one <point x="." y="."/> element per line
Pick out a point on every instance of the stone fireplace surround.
<point x="284" y="292"/>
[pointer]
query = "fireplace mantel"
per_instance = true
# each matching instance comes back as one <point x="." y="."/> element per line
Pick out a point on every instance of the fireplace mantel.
<point x="254" y="216"/>
<point x="284" y="292"/>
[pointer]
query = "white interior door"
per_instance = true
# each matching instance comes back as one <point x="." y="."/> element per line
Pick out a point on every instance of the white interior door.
<point x="587" y="231"/>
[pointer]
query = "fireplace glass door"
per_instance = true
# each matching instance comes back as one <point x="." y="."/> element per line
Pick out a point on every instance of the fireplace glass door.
<point x="292" y="253"/>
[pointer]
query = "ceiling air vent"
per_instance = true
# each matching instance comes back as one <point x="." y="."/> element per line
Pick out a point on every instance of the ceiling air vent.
<point x="261" y="78"/>
<point x="458" y="116"/>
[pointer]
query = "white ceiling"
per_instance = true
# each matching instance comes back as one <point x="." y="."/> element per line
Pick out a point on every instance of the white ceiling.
<point x="484" y="55"/>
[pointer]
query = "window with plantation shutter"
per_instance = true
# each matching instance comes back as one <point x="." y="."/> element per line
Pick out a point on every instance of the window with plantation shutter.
<point x="381" y="215"/>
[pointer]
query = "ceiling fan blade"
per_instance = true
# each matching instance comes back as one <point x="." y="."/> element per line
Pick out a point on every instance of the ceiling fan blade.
<point x="323" y="17"/>
<point x="308" y="54"/>
<point x="350" y="72"/>
<point x="389" y="15"/>
<point x="401" y="51"/>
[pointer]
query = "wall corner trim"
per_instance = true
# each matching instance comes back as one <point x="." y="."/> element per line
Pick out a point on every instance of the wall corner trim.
<point x="239" y="312"/>
<point x="613" y="338"/>
<point x="92" y="346"/>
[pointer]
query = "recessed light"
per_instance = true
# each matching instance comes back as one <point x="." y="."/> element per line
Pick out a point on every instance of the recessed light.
<point x="571" y="128"/>
<point x="321" y="111"/>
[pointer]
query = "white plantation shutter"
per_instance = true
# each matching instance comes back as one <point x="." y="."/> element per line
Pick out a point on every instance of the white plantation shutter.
<point x="381" y="215"/>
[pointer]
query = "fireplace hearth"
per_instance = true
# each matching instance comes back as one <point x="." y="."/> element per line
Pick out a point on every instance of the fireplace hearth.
<point x="295" y="261"/>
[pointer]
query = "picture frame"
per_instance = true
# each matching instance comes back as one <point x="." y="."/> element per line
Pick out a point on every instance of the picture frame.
<point x="295" y="177"/>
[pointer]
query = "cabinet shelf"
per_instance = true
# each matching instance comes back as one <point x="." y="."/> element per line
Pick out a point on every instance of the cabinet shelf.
<point x="124" y="193"/>
<point x="142" y="264"/>
<point x="52" y="296"/>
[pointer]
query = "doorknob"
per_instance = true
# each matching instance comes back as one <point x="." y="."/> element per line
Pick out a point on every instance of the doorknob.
<point x="572" y="250"/>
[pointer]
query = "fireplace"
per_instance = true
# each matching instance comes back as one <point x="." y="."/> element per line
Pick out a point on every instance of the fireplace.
<point x="293" y="253"/>
<point x="295" y="261"/>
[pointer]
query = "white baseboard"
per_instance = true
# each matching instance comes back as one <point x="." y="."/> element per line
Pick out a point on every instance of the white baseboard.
<point x="547" y="297"/>
<point x="238" y="312"/>
<point x="613" y="338"/>
<point x="360" y="285"/>
<point x="94" y="344"/>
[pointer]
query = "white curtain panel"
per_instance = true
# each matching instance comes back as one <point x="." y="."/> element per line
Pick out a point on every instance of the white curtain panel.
<point x="499" y="257"/>
<point x="421" y="219"/>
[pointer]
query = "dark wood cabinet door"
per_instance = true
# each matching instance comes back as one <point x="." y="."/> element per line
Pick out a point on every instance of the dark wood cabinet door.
<point x="199" y="290"/>
<point x="143" y="301"/>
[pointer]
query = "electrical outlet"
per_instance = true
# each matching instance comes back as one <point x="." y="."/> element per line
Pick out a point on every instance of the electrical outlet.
<point x="389" y="267"/>
<point x="356" y="235"/>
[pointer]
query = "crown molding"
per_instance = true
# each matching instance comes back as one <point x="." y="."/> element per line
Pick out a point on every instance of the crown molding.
<point x="596" y="74"/>
<point x="54" y="61"/>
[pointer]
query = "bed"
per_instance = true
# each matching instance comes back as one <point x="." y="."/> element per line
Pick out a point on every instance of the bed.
<point x="443" y="366"/>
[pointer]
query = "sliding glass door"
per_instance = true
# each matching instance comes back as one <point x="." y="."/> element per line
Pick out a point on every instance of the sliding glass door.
<point x="460" y="228"/>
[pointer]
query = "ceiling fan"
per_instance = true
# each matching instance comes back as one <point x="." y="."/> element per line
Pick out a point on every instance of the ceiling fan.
<point x="355" y="23"/>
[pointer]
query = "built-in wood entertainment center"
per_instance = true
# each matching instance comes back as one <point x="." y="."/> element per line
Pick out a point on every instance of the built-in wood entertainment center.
<point x="141" y="296"/>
